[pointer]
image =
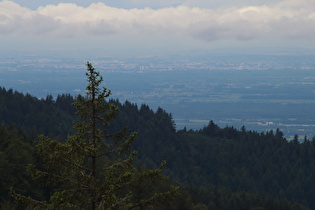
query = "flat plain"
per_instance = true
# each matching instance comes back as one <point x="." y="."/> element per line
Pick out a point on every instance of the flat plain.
<point x="259" y="92"/>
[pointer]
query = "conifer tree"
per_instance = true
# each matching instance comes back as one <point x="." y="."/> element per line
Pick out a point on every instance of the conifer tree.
<point x="93" y="169"/>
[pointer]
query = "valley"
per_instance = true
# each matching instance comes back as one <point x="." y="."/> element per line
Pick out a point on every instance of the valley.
<point x="259" y="92"/>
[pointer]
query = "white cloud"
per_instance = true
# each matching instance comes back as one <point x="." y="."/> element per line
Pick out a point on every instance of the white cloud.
<point x="290" y="19"/>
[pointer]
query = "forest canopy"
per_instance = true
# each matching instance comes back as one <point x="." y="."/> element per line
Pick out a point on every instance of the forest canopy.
<point x="216" y="168"/>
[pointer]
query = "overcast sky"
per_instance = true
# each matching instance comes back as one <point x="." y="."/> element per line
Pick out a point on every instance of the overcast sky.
<point x="153" y="25"/>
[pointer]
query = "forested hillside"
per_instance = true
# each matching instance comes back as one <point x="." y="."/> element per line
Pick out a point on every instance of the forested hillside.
<point x="33" y="116"/>
<point x="218" y="168"/>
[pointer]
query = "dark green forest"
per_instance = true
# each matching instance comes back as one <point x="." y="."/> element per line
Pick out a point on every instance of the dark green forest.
<point x="215" y="168"/>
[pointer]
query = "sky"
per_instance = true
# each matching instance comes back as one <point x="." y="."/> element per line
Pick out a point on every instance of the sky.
<point x="155" y="26"/>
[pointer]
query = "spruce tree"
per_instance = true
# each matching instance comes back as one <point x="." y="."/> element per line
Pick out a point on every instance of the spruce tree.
<point x="93" y="169"/>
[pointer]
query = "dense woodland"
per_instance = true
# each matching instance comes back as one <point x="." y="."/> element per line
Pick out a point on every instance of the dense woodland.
<point x="216" y="168"/>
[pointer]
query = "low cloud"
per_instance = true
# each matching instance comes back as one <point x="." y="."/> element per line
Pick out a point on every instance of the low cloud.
<point x="291" y="19"/>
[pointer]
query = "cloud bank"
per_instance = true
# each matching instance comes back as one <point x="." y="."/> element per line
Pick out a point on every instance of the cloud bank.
<point x="290" y="19"/>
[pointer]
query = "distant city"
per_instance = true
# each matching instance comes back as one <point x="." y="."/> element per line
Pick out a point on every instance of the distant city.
<point x="261" y="92"/>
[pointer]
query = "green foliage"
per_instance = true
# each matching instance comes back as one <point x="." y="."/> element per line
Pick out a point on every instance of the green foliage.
<point x="250" y="165"/>
<point x="15" y="152"/>
<point x="34" y="116"/>
<point x="215" y="198"/>
<point x="93" y="168"/>
<point x="249" y="161"/>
